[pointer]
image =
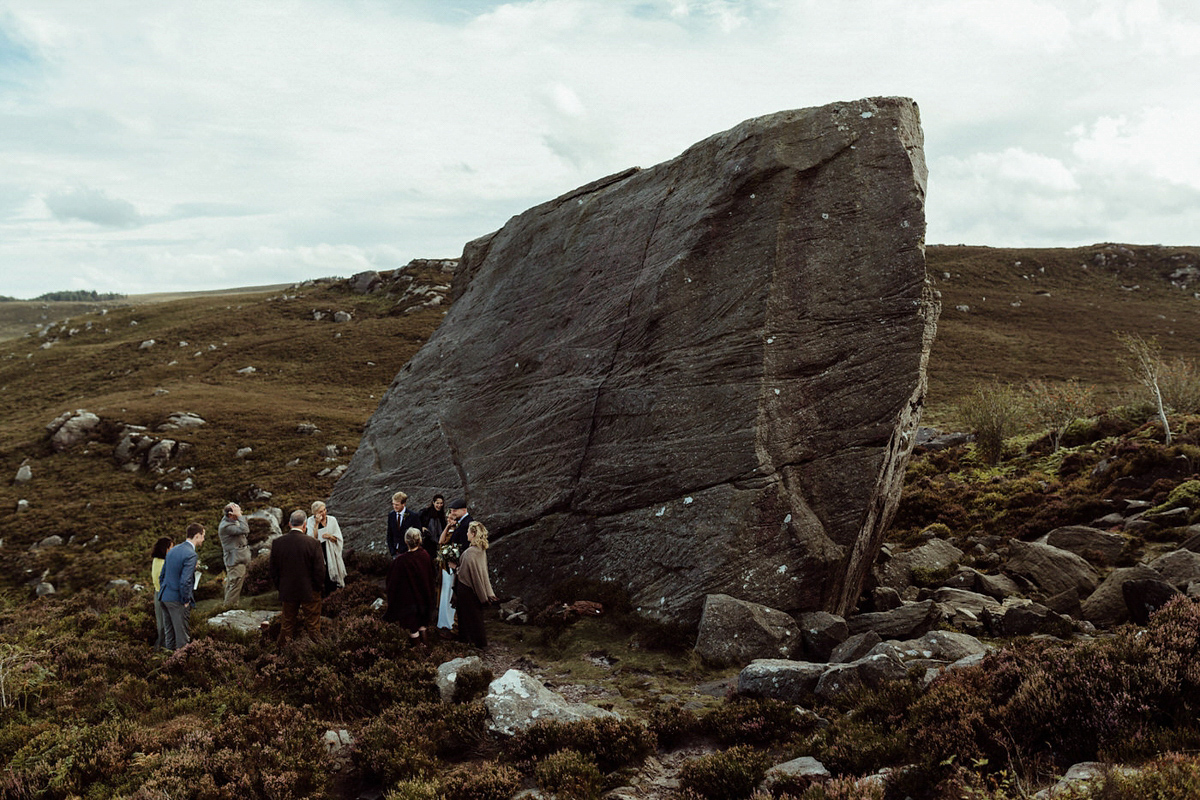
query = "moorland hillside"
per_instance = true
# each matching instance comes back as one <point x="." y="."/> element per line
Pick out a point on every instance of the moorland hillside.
<point x="88" y="710"/>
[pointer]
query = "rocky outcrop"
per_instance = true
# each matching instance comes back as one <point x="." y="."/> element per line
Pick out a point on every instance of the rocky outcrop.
<point x="516" y="700"/>
<point x="71" y="427"/>
<point x="703" y="377"/>
<point x="1051" y="569"/>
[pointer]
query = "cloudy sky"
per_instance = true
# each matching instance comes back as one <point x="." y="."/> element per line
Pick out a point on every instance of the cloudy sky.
<point x="176" y="145"/>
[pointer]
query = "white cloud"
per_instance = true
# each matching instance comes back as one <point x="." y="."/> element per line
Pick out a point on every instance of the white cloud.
<point x="203" y="143"/>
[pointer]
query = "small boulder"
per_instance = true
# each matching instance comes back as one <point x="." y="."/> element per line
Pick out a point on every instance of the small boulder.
<point x="736" y="631"/>
<point x="516" y="700"/>
<point x="71" y="427"/>
<point x="50" y="541"/>
<point x="854" y="648"/>
<point x="338" y="743"/>
<point x="24" y="475"/>
<point x="802" y="767"/>
<point x="342" y="316"/>
<point x="781" y="679"/>
<point x="1051" y="569"/>
<point x="821" y="632"/>
<point x="933" y="556"/>
<point x="1091" y="544"/>
<point x="365" y="282"/>
<point x="907" y="622"/>
<point x="182" y="420"/>
<point x="1144" y="597"/>
<point x="146" y="345"/>
<point x="243" y="621"/>
<point x="44" y="589"/>
<point x="1028" y="619"/>
<point x="1178" y="568"/>
<point x="870" y="671"/>
<point x="1106" y="606"/>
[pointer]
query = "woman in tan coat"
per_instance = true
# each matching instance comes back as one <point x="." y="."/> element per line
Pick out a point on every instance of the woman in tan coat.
<point x="474" y="587"/>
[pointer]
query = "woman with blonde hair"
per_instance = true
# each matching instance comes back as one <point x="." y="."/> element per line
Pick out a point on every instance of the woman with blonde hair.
<point x="474" y="587"/>
<point x="325" y="529"/>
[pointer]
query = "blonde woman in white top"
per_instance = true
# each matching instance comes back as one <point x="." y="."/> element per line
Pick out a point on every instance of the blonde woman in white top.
<point x="325" y="530"/>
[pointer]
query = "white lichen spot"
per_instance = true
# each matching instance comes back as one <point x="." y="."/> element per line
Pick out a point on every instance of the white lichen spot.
<point x="782" y="569"/>
<point x="904" y="224"/>
<point x="824" y="216"/>
<point x="661" y="511"/>
<point x="770" y="340"/>
<point x="687" y="501"/>
<point x="866" y="115"/>
<point x="517" y="365"/>
<point x="787" y="519"/>
<point x="776" y="391"/>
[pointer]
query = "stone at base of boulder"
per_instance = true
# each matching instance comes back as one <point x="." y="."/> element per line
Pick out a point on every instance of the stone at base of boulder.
<point x="516" y="701"/>
<point x="449" y="674"/>
<point x="802" y="767"/>
<point x="790" y="681"/>
<point x="734" y="631"/>
<point x="240" y="620"/>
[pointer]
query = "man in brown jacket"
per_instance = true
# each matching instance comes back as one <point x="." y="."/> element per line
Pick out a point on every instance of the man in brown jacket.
<point x="298" y="572"/>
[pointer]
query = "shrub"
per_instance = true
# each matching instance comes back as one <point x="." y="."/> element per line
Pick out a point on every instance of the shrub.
<point x="390" y="752"/>
<point x="1056" y="406"/>
<point x="993" y="412"/>
<point x="258" y="577"/>
<point x="673" y="725"/>
<point x="760" y="720"/>
<point x="352" y="601"/>
<point x="487" y="781"/>
<point x="612" y="742"/>
<point x="569" y="776"/>
<point x="415" y="790"/>
<point x="1173" y="776"/>
<point x="726" y="775"/>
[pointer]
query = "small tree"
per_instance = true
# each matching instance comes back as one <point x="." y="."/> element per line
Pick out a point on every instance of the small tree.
<point x="1147" y="367"/>
<point x="993" y="412"/>
<point x="1057" y="405"/>
<point x="1180" y="385"/>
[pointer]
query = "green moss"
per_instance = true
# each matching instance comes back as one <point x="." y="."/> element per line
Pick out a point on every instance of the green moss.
<point x="1185" y="494"/>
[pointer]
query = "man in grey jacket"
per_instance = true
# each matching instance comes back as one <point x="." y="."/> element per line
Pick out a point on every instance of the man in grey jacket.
<point x="233" y="531"/>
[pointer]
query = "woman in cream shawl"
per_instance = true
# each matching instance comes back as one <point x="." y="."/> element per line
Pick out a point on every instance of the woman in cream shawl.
<point x="325" y="530"/>
<point x="474" y="587"/>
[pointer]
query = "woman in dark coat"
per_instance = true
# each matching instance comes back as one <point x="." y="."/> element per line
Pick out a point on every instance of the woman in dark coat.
<point x="410" y="587"/>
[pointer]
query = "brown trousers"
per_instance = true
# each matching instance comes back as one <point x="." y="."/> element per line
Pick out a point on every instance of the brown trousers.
<point x="307" y="614"/>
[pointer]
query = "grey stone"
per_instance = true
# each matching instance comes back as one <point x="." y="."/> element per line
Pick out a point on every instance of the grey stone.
<point x="50" y="541"/>
<point x="72" y="427"/>
<point x="242" y="452"/>
<point x="1178" y="568"/>
<point x="243" y="621"/>
<point x="736" y="631"/>
<point x="365" y="282"/>
<point x="273" y="516"/>
<point x="647" y="388"/>
<point x="449" y="672"/>
<point x="936" y="554"/>
<point x="1106" y="607"/>
<point x="342" y="316"/>
<point x="24" y="475"/>
<point x="116" y="583"/>
<point x="158" y="455"/>
<point x="870" y="671"/>
<point x="781" y="679"/>
<point x="146" y="345"/>
<point x="1028" y="619"/>
<point x="1079" y="773"/>
<point x="885" y="598"/>
<point x="1144" y="597"/>
<point x="338" y="742"/>
<point x="1051" y="569"/>
<point x="182" y="420"/>
<point x="1091" y="544"/>
<point x="947" y="645"/>
<point x="906" y="622"/>
<point x="43" y="589"/>
<point x="962" y="599"/>
<point x="515" y="701"/>
<point x="854" y="648"/>
<point x="821" y="632"/>
<point x="802" y="767"/>
<point x="1109" y="520"/>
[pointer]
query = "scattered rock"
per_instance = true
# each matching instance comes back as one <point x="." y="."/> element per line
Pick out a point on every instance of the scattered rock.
<point x="247" y="371"/>
<point x="1178" y="568"/>
<point x="516" y="700"/>
<point x="1051" y="569"/>
<point x="906" y="622"/>
<point x="803" y="767"/>
<point x="49" y="541"/>
<point x="931" y="557"/>
<point x="1091" y="544"/>
<point x="342" y="316"/>
<point x="854" y="648"/>
<point x="781" y="679"/>
<point x="243" y="621"/>
<point x="182" y="420"/>
<point x="338" y="743"/>
<point x="365" y="282"/>
<point x="72" y="427"/>
<point x="24" y="475"/>
<point x="307" y="429"/>
<point x="1143" y="597"/>
<point x="242" y="452"/>
<point x="870" y="671"/>
<point x="736" y="631"/>
<point x="1085" y="771"/>
<point x="146" y="345"/>
<point x="821" y="632"/>
<point x="1106" y="606"/>
<point x="43" y="589"/>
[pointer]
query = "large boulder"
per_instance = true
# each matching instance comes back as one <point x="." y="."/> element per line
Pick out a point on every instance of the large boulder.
<point x="1091" y="544"/>
<point x="1178" y="568"/>
<point x="790" y="681"/>
<point x="71" y="427"/>
<point x="1106" y="606"/>
<point x="906" y="622"/>
<point x="702" y="377"/>
<point x="736" y="631"/>
<point x="934" y="556"/>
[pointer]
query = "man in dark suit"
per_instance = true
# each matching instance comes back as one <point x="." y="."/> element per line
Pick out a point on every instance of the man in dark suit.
<point x="177" y="581"/>
<point x="461" y="519"/>
<point x="399" y="521"/>
<point x="298" y="571"/>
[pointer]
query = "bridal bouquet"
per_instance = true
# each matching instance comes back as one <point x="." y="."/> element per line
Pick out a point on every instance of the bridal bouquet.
<point x="447" y="553"/>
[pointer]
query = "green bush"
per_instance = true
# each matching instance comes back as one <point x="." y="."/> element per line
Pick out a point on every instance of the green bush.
<point x="487" y="781"/>
<point x="415" y="790"/>
<point x="611" y="741"/>
<point x="993" y="412"/>
<point x="726" y="775"/>
<point x="673" y="725"/>
<point x="569" y="776"/>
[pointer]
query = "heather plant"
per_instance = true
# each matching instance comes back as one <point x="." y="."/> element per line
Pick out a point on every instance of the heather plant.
<point x="487" y="781"/>
<point x="611" y="741"/>
<point x="673" y="725"/>
<point x="746" y="720"/>
<point x="568" y="775"/>
<point x="1179" y="382"/>
<point x="416" y="789"/>
<point x="724" y="775"/>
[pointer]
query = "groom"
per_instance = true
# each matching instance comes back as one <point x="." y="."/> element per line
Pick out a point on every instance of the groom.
<point x="400" y="520"/>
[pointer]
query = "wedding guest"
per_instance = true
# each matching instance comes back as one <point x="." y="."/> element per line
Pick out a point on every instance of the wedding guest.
<point x="461" y="519"/>
<point x="410" y="587"/>
<point x="474" y="587"/>
<point x="451" y="535"/>
<point x="235" y="552"/>
<point x="433" y="522"/>
<point x="157" y="556"/>
<point x="325" y="529"/>
<point x="298" y="571"/>
<point x="399" y="521"/>
<point x="178" y="582"/>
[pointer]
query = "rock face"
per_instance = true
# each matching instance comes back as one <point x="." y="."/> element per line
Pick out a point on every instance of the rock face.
<point x="702" y="377"/>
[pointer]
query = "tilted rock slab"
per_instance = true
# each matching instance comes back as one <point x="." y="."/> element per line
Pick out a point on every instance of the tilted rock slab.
<point x="702" y="377"/>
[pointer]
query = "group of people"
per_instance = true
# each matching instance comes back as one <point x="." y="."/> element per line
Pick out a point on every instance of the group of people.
<point x="303" y="572"/>
<point x="438" y="571"/>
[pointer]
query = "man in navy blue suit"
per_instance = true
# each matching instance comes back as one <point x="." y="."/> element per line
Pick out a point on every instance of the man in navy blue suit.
<point x="399" y="521"/>
<point x="177" y="581"/>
